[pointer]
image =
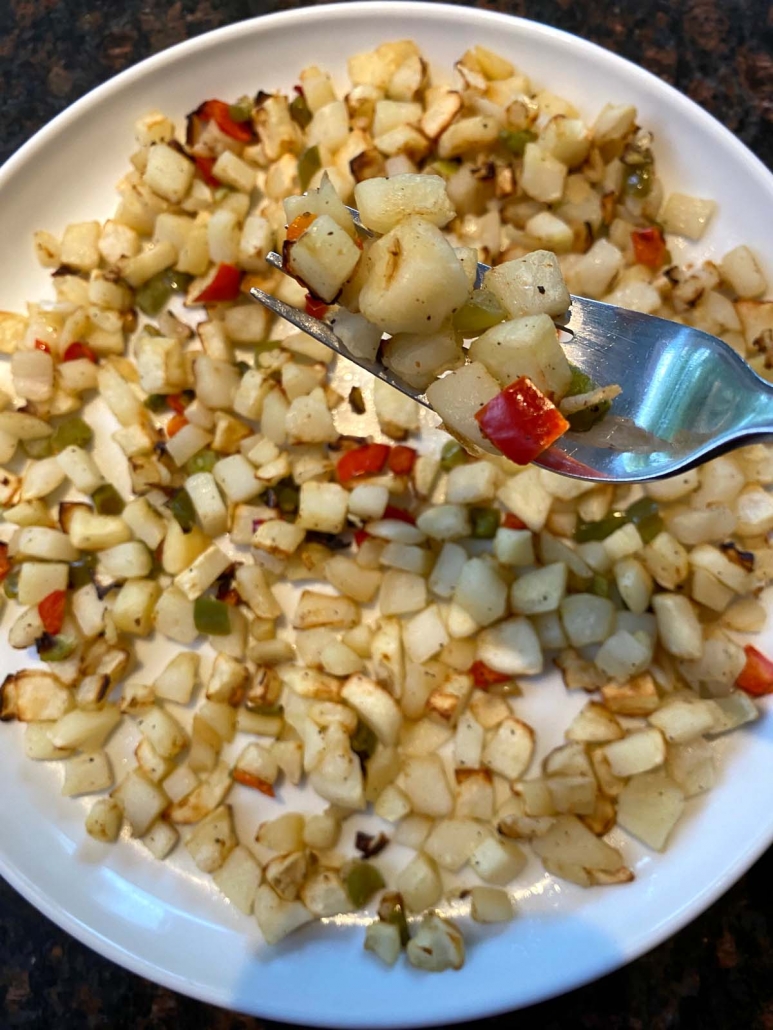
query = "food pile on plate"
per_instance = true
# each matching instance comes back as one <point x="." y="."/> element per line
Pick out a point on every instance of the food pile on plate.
<point x="435" y="581"/>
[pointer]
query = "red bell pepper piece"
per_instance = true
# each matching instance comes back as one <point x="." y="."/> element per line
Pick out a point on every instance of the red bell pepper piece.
<point x="393" y="512"/>
<point x="228" y="595"/>
<point x="521" y="421"/>
<point x="248" y="779"/>
<point x="176" y="402"/>
<point x="5" y="561"/>
<point x="360" y="536"/>
<point x="175" y="424"/>
<point x="401" y="460"/>
<point x="555" y="460"/>
<point x="362" y="461"/>
<point x="299" y="225"/>
<point x="756" y="677"/>
<point x="79" y="350"/>
<point x="315" y="308"/>
<point x="51" y="611"/>
<point x="649" y="246"/>
<point x="218" y="112"/>
<point x="483" y="676"/>
<point x="224" y="286"/>
<point x="511" y="521"/>
<point x="42" y="345"/>
<point x="205" y="166"/>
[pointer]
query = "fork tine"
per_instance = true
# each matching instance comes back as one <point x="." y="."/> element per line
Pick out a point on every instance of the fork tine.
<point x="321" y="331"/>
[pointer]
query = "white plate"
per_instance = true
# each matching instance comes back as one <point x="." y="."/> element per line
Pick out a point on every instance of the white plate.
<point x="161" y="920"/>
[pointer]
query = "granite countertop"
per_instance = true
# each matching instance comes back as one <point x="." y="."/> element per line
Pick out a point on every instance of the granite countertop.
<point x="720" y="52"/>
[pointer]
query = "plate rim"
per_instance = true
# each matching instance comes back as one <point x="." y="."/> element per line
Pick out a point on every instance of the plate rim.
<point x="644" y="940"/>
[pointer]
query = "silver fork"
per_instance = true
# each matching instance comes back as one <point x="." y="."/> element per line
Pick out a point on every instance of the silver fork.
<point x="686" y="395"/>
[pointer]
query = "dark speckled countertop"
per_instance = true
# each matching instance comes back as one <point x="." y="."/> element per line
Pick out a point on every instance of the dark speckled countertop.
<point x="717" y="973"/>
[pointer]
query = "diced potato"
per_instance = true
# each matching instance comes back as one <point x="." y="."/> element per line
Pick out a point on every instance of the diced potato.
<point x="678" y="627"/>
<point x="163" y="731"/>
<point x="129" y="560"/>
<point x="419" y="883"/>
<point x="497" y="861"/>
<point x="510" y="749"/>
<point x="457" y="396"/>
<point x="481" y="592"/>
<point x="46" y="544"/>
<point x="511" y="647"/>
<point x="87" y="773"/>
<point x="531" y="285"/>
<point x="315" y="609"/>
<point x="33" y="374"/>
<point x="598" y="268"/>
<point x="38" y="579"/>
<point x="687" y="216"/>
<point x="324" y="895"/>
<point x="424" y="780"/>
<point x="543" y="175"/>
<point x="277" y="918"/>
<point x="324" y="257"/>
<point x="322" y="507"/>
<point x="448" y="566"/>
<point x="402" y="592"/>
<point x="683" y="721"/>
<point x="587" y="619"/>
<point x="436" y="946"/>
<point x="103" y="822"/>
<point x="624" y="655"/>
<point x="539" y="591"/>
<point x="667" y="560"/>
<point x="415" y="279"/>
<point x="526" y="497"/>
<point x="38" y="744"/>
<point x="337" y="774"/>
<point x="79" y="244"/>
<point x="161" y="839"/>
<point x="740" y="269"/>
<point x="613" y="123"/>
<point x="451" y="842"/>
<point x="623" y="542"/>
<point x="691" y="766"/>
<point x="525" y="346"/>
<point x="91" y="532"/>
<point x="283" y="834"/>
<point x="368" y="501"/>
<point x="425" y="634"/>
<point x="375" y="707"/>
<point x="181" y="549"/>
<point x="419" y="358"/>
<point x="569" y="847"/>
<point x="143" y="801"/>
<point x="490" y="905"/>
<point x="383" y="203"/>
<point x="254" y="589"/>
<point x="308" y="419"/>
<point x="649" y="807"/>
<point x="637" y="753"/>
<point x="173" y="616"/>
<point x="144" y="522"/>
<point x="134" y="606"/>
<point x="513" y="547"/>
<point x="39" y="480"/>
<point x="468" y="134"/>
<point x="383" y="939"/>
<point x="392" y="804"/>
<point x="475" y="796"/>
